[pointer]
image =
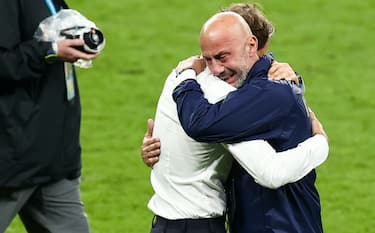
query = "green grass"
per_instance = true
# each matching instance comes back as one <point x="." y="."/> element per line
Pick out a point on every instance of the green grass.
<point x="331" y="43"/>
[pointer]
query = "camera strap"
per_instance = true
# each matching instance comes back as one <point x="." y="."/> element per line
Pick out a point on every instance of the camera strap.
<point x="68" y="67"/>
<point x="51" y="7"/>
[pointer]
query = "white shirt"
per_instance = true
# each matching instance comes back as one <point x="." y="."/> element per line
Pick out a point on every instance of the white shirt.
<point x="188" y="179"/>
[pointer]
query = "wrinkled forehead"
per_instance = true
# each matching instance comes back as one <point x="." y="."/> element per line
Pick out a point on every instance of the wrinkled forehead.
<point x="220" y="42"/>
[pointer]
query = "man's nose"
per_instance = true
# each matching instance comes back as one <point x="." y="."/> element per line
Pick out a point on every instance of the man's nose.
<point x="216" y="68"/>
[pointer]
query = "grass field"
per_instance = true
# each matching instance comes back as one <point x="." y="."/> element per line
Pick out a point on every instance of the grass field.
<point x="331" y="43"/>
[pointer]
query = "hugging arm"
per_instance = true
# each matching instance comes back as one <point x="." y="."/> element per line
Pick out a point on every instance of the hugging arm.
<point x="268" y="168"/>
<point x="233" y="119"/>
<point x="272" y="169"/>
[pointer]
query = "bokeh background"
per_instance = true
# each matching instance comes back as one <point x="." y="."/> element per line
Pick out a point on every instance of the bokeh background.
<point x="331" y="43"/>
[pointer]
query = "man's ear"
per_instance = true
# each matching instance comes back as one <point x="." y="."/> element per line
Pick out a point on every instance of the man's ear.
<point x="252" y="45"/>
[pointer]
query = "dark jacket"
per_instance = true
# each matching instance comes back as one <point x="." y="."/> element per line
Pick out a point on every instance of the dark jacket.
<point x="260" y="109"/>
<point x="39" y="128"/>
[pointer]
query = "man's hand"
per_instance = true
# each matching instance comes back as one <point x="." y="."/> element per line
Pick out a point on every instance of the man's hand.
<point x="150" y="146"/>
<point x="280" y="71"/>
<point x="317" y="127"/>
<point x="196" y="63"/>
<point x="67" y="50"/>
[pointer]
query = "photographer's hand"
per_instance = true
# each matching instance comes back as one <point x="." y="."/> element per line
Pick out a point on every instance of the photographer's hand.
<point x="67" y="51"/>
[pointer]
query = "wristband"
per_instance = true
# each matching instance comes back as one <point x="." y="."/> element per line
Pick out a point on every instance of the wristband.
<point x="51" y="55"/>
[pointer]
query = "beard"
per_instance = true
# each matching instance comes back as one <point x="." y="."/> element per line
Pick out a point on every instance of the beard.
<point x="242" y="73"/>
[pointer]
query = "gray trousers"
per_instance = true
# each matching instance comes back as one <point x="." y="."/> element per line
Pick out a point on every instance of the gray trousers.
<point x="52" y="208"/>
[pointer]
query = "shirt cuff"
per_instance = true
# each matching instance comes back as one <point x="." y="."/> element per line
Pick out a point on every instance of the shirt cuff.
<point x="186" y="74"/>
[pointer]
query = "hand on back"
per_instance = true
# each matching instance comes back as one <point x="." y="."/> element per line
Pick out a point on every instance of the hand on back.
<point x="281" y="70"/>
<point x="196" y="63"/>
<point x="150" y="146"/>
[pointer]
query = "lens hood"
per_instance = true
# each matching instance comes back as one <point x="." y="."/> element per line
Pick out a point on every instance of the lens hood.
<point x="93" y="38"/>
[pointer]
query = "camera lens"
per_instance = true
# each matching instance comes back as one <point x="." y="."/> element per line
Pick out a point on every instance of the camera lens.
<point x="93" y="39"/>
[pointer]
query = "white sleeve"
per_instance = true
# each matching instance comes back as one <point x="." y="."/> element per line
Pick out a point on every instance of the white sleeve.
<point x="184" y="75"/>
<point x="272" y="169"/>
<point x="214" y="89"/>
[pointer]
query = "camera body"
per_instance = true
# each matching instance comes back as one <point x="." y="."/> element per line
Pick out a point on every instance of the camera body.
<point x="93" y="38"/>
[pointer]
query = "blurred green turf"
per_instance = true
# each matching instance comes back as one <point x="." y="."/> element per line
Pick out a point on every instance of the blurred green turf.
<point x="331" y="43"/>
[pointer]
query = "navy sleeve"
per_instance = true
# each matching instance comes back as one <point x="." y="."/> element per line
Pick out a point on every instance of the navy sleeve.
<point x="21" y="56"/>
<point x="254" y="111"/>
<point x="26" y="61"/>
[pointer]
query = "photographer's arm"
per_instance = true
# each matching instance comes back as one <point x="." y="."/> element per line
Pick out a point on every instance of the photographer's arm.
<point x="22" y="61"/>
<point x="27" y="59"/>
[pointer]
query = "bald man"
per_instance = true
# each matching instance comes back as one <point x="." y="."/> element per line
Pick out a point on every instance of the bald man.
<point x="242" y="57"/>
<point x="259" y="109"/>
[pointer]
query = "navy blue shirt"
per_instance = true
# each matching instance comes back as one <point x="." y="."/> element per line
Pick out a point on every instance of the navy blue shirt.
<point x="260" y="109"/>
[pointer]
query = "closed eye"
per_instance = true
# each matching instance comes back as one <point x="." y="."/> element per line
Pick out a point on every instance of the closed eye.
<point x="222" y="57"/>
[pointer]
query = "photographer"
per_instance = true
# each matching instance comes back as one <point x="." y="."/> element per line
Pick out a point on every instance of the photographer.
<point x="40" y="152"/>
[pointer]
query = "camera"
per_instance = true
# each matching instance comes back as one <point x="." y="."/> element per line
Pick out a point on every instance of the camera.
<point x="93" y="38"/>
